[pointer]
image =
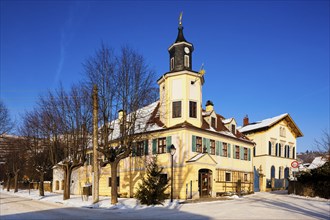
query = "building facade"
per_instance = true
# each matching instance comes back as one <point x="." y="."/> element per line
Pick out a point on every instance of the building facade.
<point x="212" y="157"/>
<point x="275" y="149"/>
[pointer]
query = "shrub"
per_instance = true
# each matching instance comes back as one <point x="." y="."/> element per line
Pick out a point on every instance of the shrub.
<point x="152" y="189"/>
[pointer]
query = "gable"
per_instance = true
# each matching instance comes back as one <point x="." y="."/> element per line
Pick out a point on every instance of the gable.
<point x="202" y="158"/>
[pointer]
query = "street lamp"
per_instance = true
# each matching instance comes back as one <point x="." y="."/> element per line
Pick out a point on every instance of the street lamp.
<point x="172" y="151"/>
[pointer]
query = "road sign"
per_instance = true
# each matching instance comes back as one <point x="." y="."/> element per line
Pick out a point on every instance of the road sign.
<point x="294" y="164"/>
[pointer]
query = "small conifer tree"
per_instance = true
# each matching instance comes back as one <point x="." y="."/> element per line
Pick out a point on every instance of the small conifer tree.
<point x="152" y="189"/>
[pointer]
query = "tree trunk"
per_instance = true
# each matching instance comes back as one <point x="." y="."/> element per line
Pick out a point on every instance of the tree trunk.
<point x="114" y="192"/>
<point x="16" y="182"/>
<point x="67" y="180"/>
<point x="8" y="182"/>
<point x="41" y="184"/>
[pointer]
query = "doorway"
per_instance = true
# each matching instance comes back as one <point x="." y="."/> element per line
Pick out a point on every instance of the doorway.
<point x="205" y="182"/>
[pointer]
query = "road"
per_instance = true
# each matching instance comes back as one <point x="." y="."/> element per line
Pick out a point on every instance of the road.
<point x="257" y="206"/>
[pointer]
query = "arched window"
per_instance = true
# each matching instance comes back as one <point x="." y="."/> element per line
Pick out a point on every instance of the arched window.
<point x="286" y="172"/>
<point x="269" y="148"/>
<point x="288" y="154"/>
<point x="294" y="153"/>
<point x="272" y="172"/>
<point x="276" y="150"/>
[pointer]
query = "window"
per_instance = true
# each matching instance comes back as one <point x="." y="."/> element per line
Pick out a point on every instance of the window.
<point x="172" y="63"/>
<point x="163" y="178"/>
<point x="212" y="142"/>
<point x="245" y="177"/>
<point x="117" y="181"/>
<point x="213" y="122"/>
<point x="89" y="159"/>
<point x="245" y="153"/>
<point x="186" y="60"/>
<point x="199" y="144"/>
<point x="254" y="151"/>
<point x="294" y="153"/>
<point x="192" y="109"/>
<point x="140" y="148"/>
<point x="237" y="152"/>
<point x="228" y="177"/>
<point x="233" y="129"/>
<point x="161" y="145"/>
<point x="176" y="109"/>
<point x="225" y="150"/>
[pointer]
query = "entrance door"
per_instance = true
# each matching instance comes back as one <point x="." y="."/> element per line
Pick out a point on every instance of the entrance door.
<point x="256" y="180"/>
<point x="204" y="182"/>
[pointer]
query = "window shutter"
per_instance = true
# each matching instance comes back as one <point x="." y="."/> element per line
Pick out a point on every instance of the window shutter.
<point x="204" y="145"/>
<point x="249" y="154"/>
<point x="229" y="150"/>
<point x="221" y="149"/>
<point x="146" y="147"/>
<point x="241" y="151"/>
<point x="193" y="143"/>
<point x="134" y="150"/>
<point x="208" y="145"/>
<point x="280" y="150"/>
<point x="217" y="148"/>
<point x="154" y="146"/>
<point x="168" y="143"/>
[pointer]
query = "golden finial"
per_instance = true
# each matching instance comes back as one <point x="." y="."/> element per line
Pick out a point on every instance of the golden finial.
<point x="180" y="19"/>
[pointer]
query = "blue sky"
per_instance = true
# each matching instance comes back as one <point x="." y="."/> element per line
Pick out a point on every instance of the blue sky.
<point x="262" y="58"/>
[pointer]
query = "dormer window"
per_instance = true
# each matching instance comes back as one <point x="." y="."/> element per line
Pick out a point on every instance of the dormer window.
<point x="186" y="60"/>
<point x="233" y="129"/>
<point x="213" y="122"/>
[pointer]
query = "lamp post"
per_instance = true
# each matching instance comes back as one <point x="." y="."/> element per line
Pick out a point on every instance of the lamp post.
<point x="172" y="151"/>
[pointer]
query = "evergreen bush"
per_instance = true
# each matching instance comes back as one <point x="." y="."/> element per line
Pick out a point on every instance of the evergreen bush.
<point x="154" y="184"/>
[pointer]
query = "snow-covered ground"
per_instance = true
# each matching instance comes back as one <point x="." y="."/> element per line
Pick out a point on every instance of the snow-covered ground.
<point x="274" y="205"/>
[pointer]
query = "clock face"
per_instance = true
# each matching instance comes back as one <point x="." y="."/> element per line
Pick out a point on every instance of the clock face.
<point x="186" y="49"/>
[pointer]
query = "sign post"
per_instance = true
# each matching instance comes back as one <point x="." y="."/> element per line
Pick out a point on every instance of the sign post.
<point x="294" y="165"/>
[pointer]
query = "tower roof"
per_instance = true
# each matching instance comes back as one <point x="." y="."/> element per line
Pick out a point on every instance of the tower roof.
<point x="180" y="37"/>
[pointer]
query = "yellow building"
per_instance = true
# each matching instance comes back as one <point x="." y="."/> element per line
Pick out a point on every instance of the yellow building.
<point x="275" y="149"/>
<point x="212" y="157"/>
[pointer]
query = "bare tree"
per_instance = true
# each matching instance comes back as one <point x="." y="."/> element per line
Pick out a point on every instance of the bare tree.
<point x="15" y="161"/>
<point x="36" y="145"/>
<point x="76" y="119"/>
<point x="323" y="144"/>
<point x="125" y="85"/>
<point x="6" y="123"/>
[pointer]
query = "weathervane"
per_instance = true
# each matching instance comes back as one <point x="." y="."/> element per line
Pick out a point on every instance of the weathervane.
<point x="180" y="19"/>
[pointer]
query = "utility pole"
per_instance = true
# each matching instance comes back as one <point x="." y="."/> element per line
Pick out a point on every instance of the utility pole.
<point x="95" y="146"/>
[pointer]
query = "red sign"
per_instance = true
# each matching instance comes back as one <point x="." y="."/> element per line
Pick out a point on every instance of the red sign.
<point x="294" y="164"/>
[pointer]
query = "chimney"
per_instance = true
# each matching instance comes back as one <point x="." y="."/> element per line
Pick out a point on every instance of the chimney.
<point x="246" y="120"/>
<point x="209" y="106"/>
<point x="121" y="114"/>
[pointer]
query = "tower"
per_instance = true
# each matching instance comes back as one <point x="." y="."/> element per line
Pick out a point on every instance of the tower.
<point x="181" y="88"/>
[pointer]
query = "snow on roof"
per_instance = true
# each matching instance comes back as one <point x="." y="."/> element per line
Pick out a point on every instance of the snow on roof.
<point x="205" y="113"/>
<point x="142" y="116"/>
<point x="261" y="124"/>
<point x="317" y="162"/>
<point x="227" y="120"/>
